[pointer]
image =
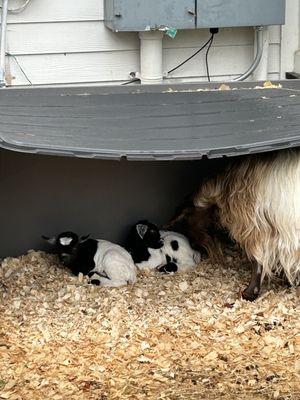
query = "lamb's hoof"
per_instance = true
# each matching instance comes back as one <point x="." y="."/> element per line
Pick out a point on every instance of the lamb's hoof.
<point x="95" y="282"/>
<point x="163" y="271"/>
<point x="168" y="268"/>
<point x="229" y="305"/>
<point x="249" y="296"/>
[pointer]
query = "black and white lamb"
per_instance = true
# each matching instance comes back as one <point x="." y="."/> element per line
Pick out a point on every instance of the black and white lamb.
<point x="105" y="263"/>
<point x="165" y="251"/>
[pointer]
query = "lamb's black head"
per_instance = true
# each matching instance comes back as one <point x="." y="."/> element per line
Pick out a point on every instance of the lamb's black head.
<point x="66" y="246"/>
<point x="147" y="234"/>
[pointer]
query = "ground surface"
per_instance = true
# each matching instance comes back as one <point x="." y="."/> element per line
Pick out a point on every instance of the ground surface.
<point x="168" y="337"/>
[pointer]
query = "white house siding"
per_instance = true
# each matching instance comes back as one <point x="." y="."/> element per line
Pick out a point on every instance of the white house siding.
<point x="66" y="42"/>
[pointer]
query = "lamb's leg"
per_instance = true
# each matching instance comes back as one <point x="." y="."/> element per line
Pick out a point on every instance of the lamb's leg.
<point x="168" y="268"/>
<point x="111" y="282"/>
<point x="95" y="277"/>
<point x="252" y="291"/>
<point x="101" y="279"/>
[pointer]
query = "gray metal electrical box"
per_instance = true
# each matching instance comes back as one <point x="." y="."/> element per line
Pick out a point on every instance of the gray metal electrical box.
<point x="229" y="13"/>
<point x="141" y="15"/>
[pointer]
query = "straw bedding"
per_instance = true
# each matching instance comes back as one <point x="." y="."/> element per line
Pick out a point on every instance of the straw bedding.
<point x="185" y="336"/>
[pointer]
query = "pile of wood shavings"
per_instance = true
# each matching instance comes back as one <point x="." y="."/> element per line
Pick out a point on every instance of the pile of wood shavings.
<point x="168" y="337"/>
<point x="224" y="87"/>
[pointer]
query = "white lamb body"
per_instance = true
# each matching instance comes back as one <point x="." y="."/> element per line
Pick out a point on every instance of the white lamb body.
<point x="113" y="265"/>
<point x="186" y="258"/>
<point x="157" y="259"/>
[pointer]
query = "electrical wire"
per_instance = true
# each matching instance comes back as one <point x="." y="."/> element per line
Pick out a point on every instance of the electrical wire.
<point x="18" y="64"/>
<point x="131" y="81"/>
<point x="18" y="9"/>
<point x="206" y="56"/>
<point x="209" y="43"/>
<point x="192" y="56"/>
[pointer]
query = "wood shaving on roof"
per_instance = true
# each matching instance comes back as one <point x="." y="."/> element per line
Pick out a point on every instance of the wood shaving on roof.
<point x="224" y="86"/>
<point x="184" y="336"/>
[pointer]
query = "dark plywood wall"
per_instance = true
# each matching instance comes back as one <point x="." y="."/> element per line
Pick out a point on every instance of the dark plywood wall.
<point x="49" y="194"/>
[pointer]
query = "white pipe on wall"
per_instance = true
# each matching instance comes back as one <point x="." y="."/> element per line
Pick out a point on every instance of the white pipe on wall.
<point x="261" y="72"/>
<point x="151" y="57"/>
<point x="3" y="42"/>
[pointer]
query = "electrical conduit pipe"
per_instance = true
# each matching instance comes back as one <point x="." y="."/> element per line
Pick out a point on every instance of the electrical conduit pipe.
<point x="259" y="53"/>
<point x="151" y="57"/>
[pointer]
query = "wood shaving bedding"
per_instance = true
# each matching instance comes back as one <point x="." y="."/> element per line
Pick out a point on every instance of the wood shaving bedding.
<point x="184" y="336"/>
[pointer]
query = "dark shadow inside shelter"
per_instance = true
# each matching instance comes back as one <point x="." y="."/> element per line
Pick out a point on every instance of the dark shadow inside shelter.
<point x="49" y="194"/>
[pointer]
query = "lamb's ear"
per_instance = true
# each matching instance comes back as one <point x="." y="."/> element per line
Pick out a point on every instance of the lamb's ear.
<point x="49" y="240"/>
<point x="141" y="230"/>
<point x="84" y="238"/>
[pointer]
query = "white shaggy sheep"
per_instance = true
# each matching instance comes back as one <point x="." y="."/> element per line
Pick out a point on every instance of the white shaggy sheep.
<point x="257" y="199"/>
